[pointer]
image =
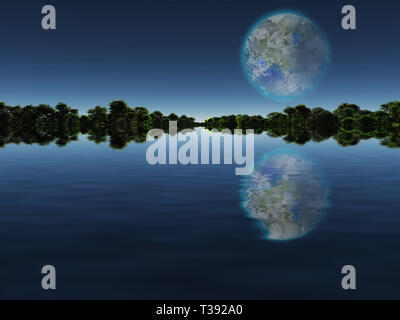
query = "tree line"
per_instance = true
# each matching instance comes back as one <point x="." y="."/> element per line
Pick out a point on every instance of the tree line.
<point x="347" y="124"/>
<point x="121" y="124"/>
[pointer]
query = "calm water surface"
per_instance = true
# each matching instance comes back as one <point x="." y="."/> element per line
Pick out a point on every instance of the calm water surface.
<point x="116" y="227"/>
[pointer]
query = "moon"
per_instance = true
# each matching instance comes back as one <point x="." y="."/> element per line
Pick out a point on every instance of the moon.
<point x="285" y="55"/>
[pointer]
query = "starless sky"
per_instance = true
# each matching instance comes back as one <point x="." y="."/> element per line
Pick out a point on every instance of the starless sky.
<point x="184" y="56"/>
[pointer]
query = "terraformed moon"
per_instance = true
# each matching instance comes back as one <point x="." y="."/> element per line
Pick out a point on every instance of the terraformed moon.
<point x="285" y="56"/>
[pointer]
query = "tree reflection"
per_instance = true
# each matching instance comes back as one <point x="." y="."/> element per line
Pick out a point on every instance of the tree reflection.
<point x="121" y="124"/>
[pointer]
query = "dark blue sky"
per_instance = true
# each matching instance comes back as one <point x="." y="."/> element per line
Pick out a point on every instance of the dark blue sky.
<point x="184" y="56"/>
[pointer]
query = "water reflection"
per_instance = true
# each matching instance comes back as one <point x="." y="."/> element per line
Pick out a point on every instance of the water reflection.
<point x="119" y="139"/>
<point x="286" y="194"/>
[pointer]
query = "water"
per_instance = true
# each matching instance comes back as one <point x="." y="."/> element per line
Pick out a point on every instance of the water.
<point x="116" y="227"/>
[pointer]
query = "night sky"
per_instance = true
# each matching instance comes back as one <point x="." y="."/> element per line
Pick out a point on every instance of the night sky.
<point x="184" y="56"/>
